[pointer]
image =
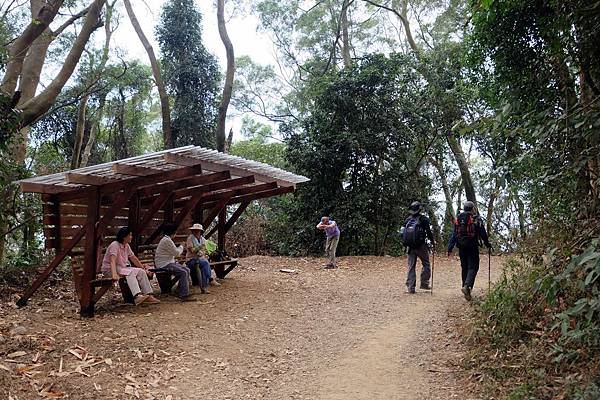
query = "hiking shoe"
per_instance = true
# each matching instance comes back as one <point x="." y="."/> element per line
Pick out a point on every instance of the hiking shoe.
<point x="188" y="298"/>
<point x="410" y="291"/>
<point x="329" y="266"/>
<point x="204" y="290"/>
<point x="152" y="300"/>
<point x="213" y="282"/>
<point x="425" y="286"/>
<point x="139" y="299"/>
<point x="467" y="292"/>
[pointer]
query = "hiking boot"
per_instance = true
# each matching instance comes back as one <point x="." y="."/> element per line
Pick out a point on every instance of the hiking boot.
<point x="329" y="266"/>
<point x="204" y="290"/>
<point x="410" y="291"/>
<point x="213" y="282"/>
<point x="467" y="292"/>
<point x="152" y="300"/>
<point x="425" y="286"/>
<point x="188" y="298"/>
<point x="139" y="299"/>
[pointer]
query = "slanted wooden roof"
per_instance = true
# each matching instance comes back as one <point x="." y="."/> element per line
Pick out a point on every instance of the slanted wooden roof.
<point x="158" y="165"/>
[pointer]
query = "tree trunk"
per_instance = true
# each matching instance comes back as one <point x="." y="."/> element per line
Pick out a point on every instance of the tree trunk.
<point x="85" y="157"/>
<point x="40" y="104"/>
<point x="463" y="166"/>
<point x="229" y="140"/>
<point x="490" y="206"/>
<point x="345" y="35"/>
<point x="228" y="76"/>
<point x="435" y="224"/>
<point x="79" y="132"/>
<point x="521" y="214"/>
<point x="20" y="47"/>
<point x="449" y="214"/>
<point x="162" y="91"/>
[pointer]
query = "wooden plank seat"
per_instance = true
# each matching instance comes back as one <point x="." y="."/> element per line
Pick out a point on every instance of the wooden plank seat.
<point x="219" y="267"/>
<point x="107" y="283"/>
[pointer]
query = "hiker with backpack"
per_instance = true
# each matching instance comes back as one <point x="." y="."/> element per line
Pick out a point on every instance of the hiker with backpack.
<point x="468" y="233"/>
<point x="414" y="234"/>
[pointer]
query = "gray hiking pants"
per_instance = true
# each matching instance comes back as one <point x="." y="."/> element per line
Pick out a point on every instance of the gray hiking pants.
<point x="421" y="252"/>
<point x="330" y="247"/>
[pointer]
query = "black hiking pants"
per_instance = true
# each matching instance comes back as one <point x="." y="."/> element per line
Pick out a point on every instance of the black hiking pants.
<point x="469" y="264"/>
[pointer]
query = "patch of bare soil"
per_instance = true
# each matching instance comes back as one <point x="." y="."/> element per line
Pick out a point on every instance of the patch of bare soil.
<point x="349" y="333"/>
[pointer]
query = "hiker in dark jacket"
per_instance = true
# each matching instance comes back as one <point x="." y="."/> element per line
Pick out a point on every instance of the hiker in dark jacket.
<point x="416" y="229"/>
<point x="468" y="233"/>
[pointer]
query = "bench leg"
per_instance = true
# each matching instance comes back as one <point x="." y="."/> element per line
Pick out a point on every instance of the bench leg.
<point x="165" y="282"/>
<point x="219" y="271"/>
<point x="126" y="292"/>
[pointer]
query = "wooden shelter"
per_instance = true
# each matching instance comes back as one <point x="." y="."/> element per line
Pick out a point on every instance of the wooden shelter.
<point x="84" y="208"/>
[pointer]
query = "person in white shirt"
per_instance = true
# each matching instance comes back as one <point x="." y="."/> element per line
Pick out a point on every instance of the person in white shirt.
<point x="164" y="258"/>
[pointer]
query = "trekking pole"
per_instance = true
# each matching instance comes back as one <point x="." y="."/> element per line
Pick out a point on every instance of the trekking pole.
<point x="489" y="269"/>
<point x="432" y="267"/>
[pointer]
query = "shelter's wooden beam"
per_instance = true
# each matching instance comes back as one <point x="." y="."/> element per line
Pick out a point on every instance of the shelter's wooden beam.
<point x="134" y="170"/>
<point x="221" y="228"/>
<point x="194" y="191"/>
<point x="133" y="221"/>
<point x="88" y="179"/>
<point x="44" y="188"/>
<point x="90" y="255"/>
<point x="183" y="183"/>
<point x="256" y="196"/>
<point x="238" y="212"/>
<point x="178" y="159"/>
<point x="211" y="197"/>
<point x="214" y="211"/>
<point x="120" y="201"/>
<point x="51" y="267"/>
<point x="157" y="204"/>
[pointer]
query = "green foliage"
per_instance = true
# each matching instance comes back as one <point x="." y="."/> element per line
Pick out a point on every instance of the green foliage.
<point x="190" y="72"/>
<point x="361" y="147"/>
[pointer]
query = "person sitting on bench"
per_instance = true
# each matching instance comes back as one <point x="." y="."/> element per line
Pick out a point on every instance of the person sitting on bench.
<point x="164" y="259"/>
<point x="114" y="265"/>
<point x="195" y="257"/>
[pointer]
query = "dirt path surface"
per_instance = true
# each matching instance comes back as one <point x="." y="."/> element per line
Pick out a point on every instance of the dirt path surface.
<point x="350" y="333"/>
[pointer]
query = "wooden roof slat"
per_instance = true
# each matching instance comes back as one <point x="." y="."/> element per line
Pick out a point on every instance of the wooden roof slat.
<point x="87" y="179"/>
<point x="135" y="170"/>
<point x="183" y="183"/>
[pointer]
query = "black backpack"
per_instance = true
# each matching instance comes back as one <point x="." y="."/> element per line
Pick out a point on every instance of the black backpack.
<point x="413" y="235"/>
<point x="466" y="234"/>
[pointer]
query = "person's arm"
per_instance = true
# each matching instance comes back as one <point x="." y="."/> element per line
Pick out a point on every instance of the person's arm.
<point x="136" y="261"/>
<point x="321" y="226"/>
<point x="483" y="234"/>
<point x="174" y="250"/>
<point x="113" y="268"/>
<point x="428" y="232"/>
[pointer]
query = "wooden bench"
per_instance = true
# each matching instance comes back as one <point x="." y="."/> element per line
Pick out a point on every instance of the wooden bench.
<point x="166" y="280"/>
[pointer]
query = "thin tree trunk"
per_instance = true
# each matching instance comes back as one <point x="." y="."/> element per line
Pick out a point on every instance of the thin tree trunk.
<point x="435" y="224"/>
<point x="449" y="214"/>
<point x="345" y="35"/>
<point x="491" y="203"/>
<point x="79" y="132"/>
<point x="463" y="166"/>
<point x="228" y="87"/>
<point x="162" y="91"/>
<point x="229" y="140"/>
<point x="40" y="104"/>
<point x="85" y="157"/>
<point x="521" y="214"/>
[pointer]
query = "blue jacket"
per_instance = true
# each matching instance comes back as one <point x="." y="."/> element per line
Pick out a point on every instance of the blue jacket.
<point x="480" y="233"/>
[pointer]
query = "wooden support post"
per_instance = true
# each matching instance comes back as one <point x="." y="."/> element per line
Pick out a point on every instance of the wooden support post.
<point x="214" y="211"/>
<point x="198" y="213"/>
<point x="221" y="231"/>
<point x="240" y="210"/>
<point x="51" y="267"/>
<point x="133" y="222"/>
<point x="158" y="203"/>
<point x="169" y="210"/>
<point x="90" y="255"/>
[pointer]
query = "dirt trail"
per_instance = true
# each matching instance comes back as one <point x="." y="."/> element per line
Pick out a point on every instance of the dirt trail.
<point x="349" y="333"/>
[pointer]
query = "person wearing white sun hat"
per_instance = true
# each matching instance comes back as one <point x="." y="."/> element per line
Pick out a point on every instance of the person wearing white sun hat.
<point x="195" y="257"/>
